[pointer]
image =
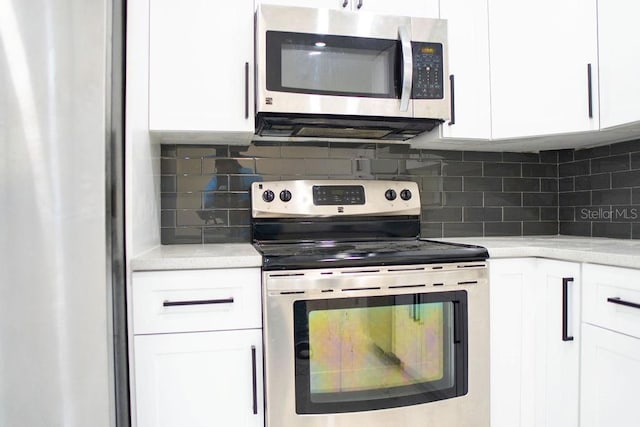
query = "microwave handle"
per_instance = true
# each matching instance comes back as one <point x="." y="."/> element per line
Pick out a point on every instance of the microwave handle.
<point x="407" y="67"/>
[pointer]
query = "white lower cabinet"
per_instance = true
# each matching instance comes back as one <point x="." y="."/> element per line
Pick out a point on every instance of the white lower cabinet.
<point x="508" y="292"/>
<point x="197" y="348"/>
<point x="535" y="342"/>
<point x="610" y="347"/>
<point x="611" y="374"/>
<point x="199" y="379"/>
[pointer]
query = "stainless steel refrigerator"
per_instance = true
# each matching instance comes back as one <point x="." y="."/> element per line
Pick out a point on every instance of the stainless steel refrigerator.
<point x="62" y="336"/>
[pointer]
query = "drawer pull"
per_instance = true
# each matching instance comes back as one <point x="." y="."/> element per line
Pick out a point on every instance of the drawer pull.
<point x="197" y="302"/>
<point x="617" y="300"/>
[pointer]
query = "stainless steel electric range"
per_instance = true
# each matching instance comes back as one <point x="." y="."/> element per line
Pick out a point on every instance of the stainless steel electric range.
<point x="364" y="322"/>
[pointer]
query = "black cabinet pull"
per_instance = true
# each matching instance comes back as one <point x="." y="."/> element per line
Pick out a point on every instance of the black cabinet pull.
<point x="255" y="379"/>
<point x="617" y="300"/>
<point x="359" y="5"/>
<point x="246" y="90"/>
<point x="345" y="3"/>
<point x="197" y="302"/>
<point x="453" y="100"/>
<point x="590" y="90"/>
<point x="565" y="308"/>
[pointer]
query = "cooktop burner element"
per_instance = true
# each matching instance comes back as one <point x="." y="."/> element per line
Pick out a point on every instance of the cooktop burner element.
<point x="279" y="256"/>
<point x="311" y="224"/>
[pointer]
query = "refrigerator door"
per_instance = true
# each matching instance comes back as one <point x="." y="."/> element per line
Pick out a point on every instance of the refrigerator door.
<point x="56" y="333"/>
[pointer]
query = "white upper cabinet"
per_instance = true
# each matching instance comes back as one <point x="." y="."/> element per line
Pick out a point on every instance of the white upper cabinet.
<point x="326" y="4"/>
<point x="418" y="8"/>
<point x="540" y="55"/>
<point x="469" y="66"/>
<point x="468" y="43"/>
<point x="619" y="44"/>
<point x="201" y="67"/>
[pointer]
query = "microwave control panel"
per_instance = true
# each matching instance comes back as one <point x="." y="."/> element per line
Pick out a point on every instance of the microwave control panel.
<point x="428" y="70"/>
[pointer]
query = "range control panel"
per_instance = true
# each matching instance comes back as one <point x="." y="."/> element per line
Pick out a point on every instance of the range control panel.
<point x="322" y="198"/>
<point x="338" y="195"/>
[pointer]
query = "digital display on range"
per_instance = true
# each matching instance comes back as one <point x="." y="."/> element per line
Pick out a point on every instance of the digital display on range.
<point x="338" y="195"/>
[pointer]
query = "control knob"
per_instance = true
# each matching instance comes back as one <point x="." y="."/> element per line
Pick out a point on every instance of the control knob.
<point x="268" y="196"/>
<point x="405" y="194"/>
<point x="285" y="195"/>
<point x="390" y="194"/>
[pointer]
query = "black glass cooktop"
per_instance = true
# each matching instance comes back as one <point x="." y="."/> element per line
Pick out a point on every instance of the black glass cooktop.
<point x="290" y="256"/>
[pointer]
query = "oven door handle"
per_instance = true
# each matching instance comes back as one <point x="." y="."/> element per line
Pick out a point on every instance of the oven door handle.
<point x="407" y="67"/>
<point x="457" y="321"/>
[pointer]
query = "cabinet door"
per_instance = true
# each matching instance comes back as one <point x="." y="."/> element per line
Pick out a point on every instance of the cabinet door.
<point x="469" y="65"/>
<point x="540" y="51"/>
<point x="619" y="44"/>
<point x="611" y="374"/>
<point x="512" y="346"/>
<point x="199" y="379"/>
<point x="328" y="4"/>
<point x="415" y="8"/>
<point x="534" y="372"/>
<point x="557" y="343"/>
<point x="201" y="66"/>
<point x="418" y="8"/>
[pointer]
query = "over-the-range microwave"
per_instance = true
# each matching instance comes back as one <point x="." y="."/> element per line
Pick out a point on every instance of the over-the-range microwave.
<point x="324" y="73"/>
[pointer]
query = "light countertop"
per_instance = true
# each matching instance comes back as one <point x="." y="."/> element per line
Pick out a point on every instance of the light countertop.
<point x="189" y="257"/>
<point x="615" y="252"/>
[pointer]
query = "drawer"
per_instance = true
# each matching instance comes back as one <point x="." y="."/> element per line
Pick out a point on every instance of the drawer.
<point x="611" y="298"/>
<point x="196" y="300"/>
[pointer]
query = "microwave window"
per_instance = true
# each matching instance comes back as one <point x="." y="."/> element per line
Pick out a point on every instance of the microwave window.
<point x="336" y="69"/>
<point x="332" y="65"/>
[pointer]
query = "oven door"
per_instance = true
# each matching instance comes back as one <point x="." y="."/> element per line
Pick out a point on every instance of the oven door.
<point x="376" y="345"/>
<point x="376" y="352"/>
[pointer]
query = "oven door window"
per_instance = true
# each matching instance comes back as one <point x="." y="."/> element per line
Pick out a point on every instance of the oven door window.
<point x="366" y="353"/>
<point x="332" y="65"/>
